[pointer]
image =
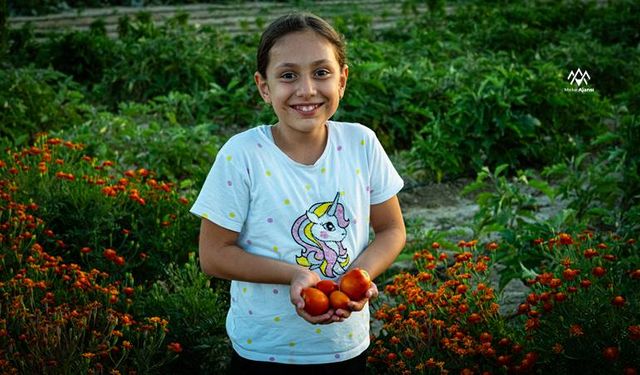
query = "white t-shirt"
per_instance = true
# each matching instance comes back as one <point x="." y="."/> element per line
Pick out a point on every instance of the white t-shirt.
<point x="316" y="216"/>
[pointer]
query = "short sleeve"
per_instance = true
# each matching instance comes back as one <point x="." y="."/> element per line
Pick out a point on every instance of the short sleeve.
<point x="385" y="182"/>
<point x="224" y="197"/>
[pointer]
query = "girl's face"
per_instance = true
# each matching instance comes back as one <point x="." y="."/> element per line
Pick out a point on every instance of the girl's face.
<point x="304" y="81"/>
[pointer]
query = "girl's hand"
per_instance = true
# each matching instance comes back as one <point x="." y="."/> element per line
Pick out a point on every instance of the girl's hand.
<point x="304" y="279"/>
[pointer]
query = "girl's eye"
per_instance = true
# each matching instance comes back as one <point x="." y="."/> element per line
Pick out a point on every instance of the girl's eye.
<point x="287" y="76"/>
<point x="322" y="72"/>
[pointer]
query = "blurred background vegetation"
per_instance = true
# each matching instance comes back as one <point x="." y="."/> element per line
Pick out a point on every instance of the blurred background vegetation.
<point x="463" y="89"/>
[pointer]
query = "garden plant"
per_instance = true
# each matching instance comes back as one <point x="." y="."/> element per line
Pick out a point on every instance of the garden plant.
<point x="105" y="141"/>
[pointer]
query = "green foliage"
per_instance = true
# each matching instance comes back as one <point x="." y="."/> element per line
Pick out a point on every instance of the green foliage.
<point x="37" y="100"/>
<point x="196" y="311"/>
<point x="151" y="136"/>
<point x="504" y="204"/>
<point x="64" y="306"/>
<point x="88" y="203"/>
<point x="444" y="314"/>
<point x="82" y="55"/>
<point x="602" y="185"/>
<point x="152" y="61"/>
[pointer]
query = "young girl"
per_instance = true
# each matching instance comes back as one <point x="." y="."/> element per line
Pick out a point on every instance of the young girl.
<point x="287" y="205"/>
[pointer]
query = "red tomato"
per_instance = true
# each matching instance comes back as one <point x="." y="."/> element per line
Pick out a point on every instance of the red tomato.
<point x="339" y="300"/>
<point x="355" y="284"/>
<point x="315" y="302"/>
<point x="327" y="286"/>
<point x="611" y="353"/>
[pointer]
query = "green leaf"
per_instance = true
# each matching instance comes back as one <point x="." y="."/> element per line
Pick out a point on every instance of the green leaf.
<point x="606" y="138"/>
<point x="474" y="186"/>
<point x="544" y="187"/>
<point x="500" y="169"/>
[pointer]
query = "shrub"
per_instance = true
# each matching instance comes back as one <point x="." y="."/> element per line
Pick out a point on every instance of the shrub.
<point x="127" y="221"/>
<point x="197" y="311"/>
<point x="37" y="100"/>
<point x="150" y="137"/>
<point x="581" y="314"/>
<point x="62" y="312"/>
<point x="81" y="55"/>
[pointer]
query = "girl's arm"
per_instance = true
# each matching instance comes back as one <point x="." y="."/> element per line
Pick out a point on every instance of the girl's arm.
<point x="221" y="257"/>
<point x="390" y="237"/>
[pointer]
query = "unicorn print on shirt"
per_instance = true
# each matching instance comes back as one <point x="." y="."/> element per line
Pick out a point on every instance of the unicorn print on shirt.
<point x="320" y="231"/>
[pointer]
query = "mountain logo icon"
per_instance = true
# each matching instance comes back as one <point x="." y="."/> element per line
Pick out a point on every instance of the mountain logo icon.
<point x="578" y="77"/>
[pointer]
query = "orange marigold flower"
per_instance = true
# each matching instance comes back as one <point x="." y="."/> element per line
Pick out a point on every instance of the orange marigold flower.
<point x="474" y="318"/>
<point x="119" y="261"/>
<point x="127" y="345"/>
<point x="109" y="191"/>
<point x="618" y="301"/>
<point x="634" y="332"/>
<point x="611" y="353"/>
<point x="175" y="347"/>
<point x="110" y="254"/>
<point x="576" y="330"/>
<point x="531" y="324"/>
<point x="598" y="271"/>
<point x="602" y="245"/>
<point x="590" y="253"/>
<point x="565" y="239"/>
<point x="481" y="267"/>
<point x="408" y="353"/>
<point x="492" y="246"/>
<point x="88" y="355"/>
<point x="54" y="141"/>
<point x="558" y="348"/>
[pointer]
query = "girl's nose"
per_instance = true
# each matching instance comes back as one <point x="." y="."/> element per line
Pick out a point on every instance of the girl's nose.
<point x="306" y="87"/>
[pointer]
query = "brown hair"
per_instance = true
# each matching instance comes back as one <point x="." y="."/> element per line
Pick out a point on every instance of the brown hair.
<point x="298" y="22"/>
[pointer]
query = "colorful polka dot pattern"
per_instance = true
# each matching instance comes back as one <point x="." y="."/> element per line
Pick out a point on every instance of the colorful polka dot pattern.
<point x="312" y="186"/>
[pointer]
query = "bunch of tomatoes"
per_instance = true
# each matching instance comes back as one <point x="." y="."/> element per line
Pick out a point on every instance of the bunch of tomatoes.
<point x="327" y="293"/>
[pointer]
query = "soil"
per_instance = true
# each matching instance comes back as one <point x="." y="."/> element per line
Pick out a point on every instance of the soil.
<point x="438" y="206"/>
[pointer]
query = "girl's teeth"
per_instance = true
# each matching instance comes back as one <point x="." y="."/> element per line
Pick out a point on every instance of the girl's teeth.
<point x="307" y="108"/>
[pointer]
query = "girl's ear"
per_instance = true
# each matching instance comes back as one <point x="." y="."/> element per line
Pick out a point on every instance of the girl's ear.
<point x="263" y="88"/>
<point x="344" y="74"/>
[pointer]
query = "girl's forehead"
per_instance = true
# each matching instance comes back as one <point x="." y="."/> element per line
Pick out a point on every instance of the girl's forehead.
<point x="302" y="46"/>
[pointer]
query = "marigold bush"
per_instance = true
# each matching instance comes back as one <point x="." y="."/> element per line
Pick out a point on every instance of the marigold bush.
<point x="119" y="221"/>
<point x="73" y="242"/>
<point x="582" y="312"/>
